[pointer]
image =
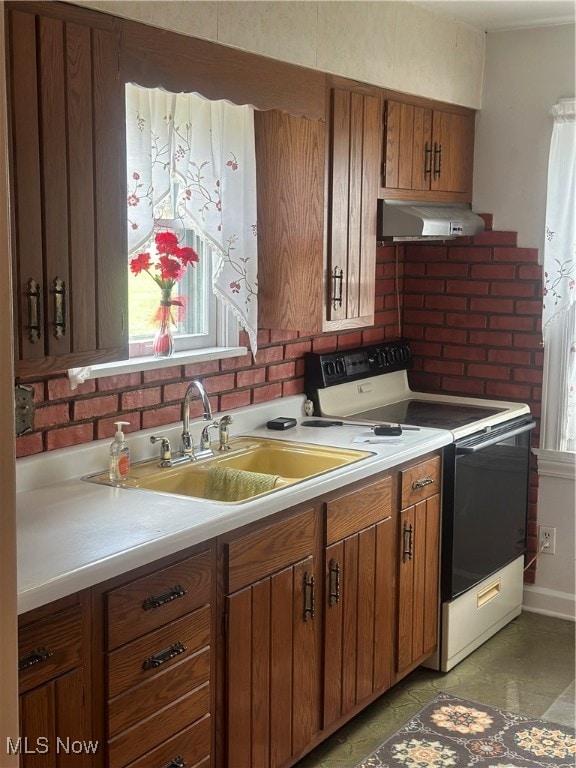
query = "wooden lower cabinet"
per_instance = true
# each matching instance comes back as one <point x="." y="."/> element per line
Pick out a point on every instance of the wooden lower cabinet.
<point x="418" y="565"/>
<point x="54" y="672"/>
<point x="246" y="651"/>
<point x="359" y="598"/>
<point x="158" y="667"/>
<point x="273" y="643"/>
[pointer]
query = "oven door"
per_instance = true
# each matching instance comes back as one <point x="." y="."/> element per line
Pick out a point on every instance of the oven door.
<point x="485" y="504"/>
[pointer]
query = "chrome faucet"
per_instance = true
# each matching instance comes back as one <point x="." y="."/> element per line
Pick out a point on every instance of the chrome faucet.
<point x="187" y="443"/>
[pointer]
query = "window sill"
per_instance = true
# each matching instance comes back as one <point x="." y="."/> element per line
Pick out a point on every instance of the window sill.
<point x="136" y="364"/>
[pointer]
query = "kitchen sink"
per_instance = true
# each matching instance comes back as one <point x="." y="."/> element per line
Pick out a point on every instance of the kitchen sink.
<point x="252" y="467"/>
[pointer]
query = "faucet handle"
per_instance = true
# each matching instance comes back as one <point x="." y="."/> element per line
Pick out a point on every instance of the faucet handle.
<point x="223" y="425"/>
<point x="165" y="449"/>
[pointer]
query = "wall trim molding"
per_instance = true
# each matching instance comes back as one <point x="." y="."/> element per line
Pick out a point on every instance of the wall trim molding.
<point x="549" y="602"/>
<point x="556" y="463"/>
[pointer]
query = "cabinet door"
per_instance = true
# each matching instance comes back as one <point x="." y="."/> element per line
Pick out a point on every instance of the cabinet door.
<point x="52" y="717"/>
<point x="408" y="146"/>
<point x="354" y="162"/>
<point x="273" y="668"/>
<point x="418" y="583"/>
<point x="358" y="618"/>
<point x="453" y="152"/>
<point x="290" y="161"/>
<point x="67" y="158"/>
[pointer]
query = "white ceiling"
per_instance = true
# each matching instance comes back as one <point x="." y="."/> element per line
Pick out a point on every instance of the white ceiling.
<point x="494" y="15"/>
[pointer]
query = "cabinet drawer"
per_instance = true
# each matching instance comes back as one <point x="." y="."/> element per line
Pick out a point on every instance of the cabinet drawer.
<point x="158" y="692"/>
<point x="155" y="600"/>
<point x="360" y="509"/>
<point x="146" y="657"/>
<point x="154" y="731"/>
<point x="259" y="554"/>
<point x="420" y="481"/>
<point x="49" y="647"/>
<point x="190" y="745"/>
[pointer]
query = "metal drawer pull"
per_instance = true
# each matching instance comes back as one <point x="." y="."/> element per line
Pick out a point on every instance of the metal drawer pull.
<point x="437" y="160"/>
<point x="337" y="280"/>
<point x="422" y="483"/>
<point x="155" y="601"/>
<point x="407" y="542"/>
<point x="309" y="599"/>
<point x="36" y="657"/>
<point x="59" y="292"/>
<point x="427" y="160"/>
<point x="176" y="762"/>
<point x="163" y="656"/>
<point x="32" y="293"/>
<point x="334" y="571"/>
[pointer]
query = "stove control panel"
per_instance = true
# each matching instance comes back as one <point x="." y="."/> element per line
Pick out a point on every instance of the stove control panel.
<point x="326" y="370"/>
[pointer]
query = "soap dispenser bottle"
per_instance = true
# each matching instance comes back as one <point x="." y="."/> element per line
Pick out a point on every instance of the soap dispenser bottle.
<point x="119" y="455"/>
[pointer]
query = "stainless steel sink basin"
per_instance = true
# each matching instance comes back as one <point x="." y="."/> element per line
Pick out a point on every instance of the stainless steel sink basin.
<point x="253" y="467"/>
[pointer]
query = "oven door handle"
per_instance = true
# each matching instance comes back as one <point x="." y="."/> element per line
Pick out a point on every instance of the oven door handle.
<point x="463" y="449"/>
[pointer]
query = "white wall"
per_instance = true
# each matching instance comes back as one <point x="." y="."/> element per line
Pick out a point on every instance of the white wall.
<point x="397" y="45"/>
<point x="553" y="591"/>
<point x="527" y="71"/>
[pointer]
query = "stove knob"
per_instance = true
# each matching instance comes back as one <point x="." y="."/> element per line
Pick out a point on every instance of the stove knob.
<point x="330" y="368"/>
<point x="340" y="367"/>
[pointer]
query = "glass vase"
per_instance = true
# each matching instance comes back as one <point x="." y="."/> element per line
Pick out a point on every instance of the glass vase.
<point x="163" y="345"/>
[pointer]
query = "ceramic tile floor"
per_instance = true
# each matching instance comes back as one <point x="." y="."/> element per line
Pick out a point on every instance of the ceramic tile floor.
<point x="528" y="667"/>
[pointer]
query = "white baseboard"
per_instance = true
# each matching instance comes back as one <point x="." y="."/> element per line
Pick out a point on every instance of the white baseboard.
<point x="561" y="605"/>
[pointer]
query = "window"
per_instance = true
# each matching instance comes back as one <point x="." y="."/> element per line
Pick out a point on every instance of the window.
<point x="192" y="171"/>
<point x="558" y="431"/>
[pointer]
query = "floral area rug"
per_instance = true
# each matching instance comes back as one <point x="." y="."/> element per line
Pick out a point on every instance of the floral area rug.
<point x="455" y="733"/>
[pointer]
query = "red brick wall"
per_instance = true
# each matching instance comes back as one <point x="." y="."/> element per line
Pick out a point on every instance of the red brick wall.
<point x="471" y="309"/>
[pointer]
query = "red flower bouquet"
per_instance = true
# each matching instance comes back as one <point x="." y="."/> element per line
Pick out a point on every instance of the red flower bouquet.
<point x="169" y="269"/>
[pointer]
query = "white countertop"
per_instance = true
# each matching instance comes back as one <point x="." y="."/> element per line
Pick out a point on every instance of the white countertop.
<point x="74" y="534"/>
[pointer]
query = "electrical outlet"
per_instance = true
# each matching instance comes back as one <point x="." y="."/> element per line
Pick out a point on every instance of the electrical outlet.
<point x="547" y="540"/>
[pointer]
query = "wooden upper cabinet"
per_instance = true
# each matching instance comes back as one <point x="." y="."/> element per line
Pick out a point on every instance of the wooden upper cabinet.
<point x="429" y="153"/>
<point x="66" y="116"/>
<point x="290" y="184"/>
<point x="353" y="193"/>
<point x="317" y="199"/>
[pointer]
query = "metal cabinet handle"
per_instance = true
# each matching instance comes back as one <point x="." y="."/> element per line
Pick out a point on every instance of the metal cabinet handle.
<point x="422" y="483"/>
<point x="437" y="160"/>
<point x="157" y="659"/>
<point x="176" y="762"/>
<point x="33" y="658"/>
<point x="32" y="294"/>
<point x="337" y="281"/>
<point x="155" y="601"/>
<point x="407" y="542"/>
<point x="58" y="290"/>
<point x="309" y="598"/>
<point x="427" y="160"/>
<point x="334" y="592"/>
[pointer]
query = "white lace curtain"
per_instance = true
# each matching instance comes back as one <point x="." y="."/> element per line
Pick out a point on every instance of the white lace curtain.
<point x="558" y="429"/>
<point x="193" y="160"/>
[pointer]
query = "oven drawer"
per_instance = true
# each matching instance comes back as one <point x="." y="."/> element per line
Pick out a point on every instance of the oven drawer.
<point x="420" y="481"/>
<point x="469" y="620"/>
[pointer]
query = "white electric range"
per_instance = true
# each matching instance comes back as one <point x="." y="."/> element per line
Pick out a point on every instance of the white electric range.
<point x="484" y="489"/>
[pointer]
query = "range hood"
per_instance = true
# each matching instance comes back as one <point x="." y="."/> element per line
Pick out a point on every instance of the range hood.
<point x="402" y="220"/>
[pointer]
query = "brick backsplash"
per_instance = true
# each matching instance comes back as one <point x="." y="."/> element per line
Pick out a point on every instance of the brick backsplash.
<point x="471" y="309"/>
